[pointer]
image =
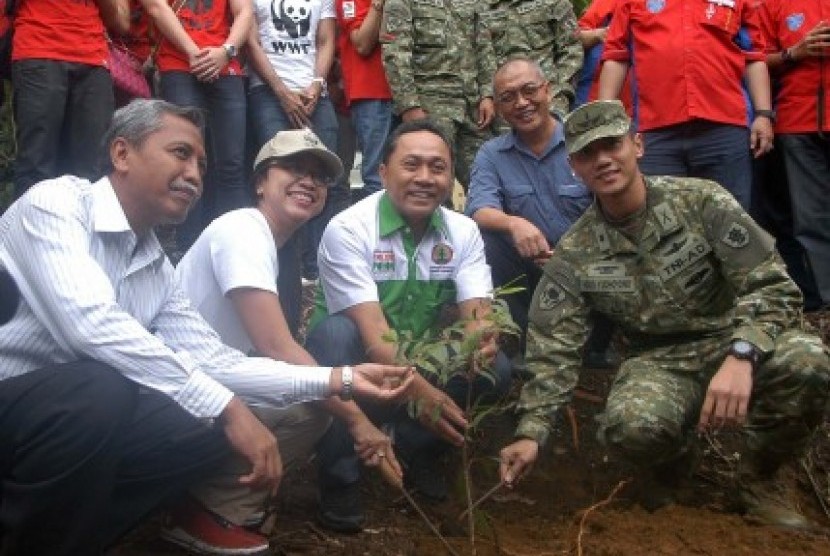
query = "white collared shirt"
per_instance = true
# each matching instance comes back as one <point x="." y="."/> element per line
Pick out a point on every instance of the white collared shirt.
<point x="92" y="289"/>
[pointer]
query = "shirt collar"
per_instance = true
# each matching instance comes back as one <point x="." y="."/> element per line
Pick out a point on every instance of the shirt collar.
<point x="108" y="214"/>
<point x="390" y="220"/>
<point x="108" y="217"/>
<point x="512" y="140"/>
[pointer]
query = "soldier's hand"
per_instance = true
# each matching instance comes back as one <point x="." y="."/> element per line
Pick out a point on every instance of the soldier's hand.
<point x="252" y="440"/>
<point x="529" y="241"/>
<point x="727" y="396"/>
<point x="416" y="113"/>
<point x="516" y="460"/>
<point x="486" y="112"/>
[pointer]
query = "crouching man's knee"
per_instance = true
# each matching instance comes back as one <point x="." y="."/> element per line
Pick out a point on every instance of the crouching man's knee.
<point x="641" y="433"/>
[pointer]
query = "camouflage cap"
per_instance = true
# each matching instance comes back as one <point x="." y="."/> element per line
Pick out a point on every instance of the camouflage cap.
<point x="595" y="120"/>
<point x="295" y="141"/>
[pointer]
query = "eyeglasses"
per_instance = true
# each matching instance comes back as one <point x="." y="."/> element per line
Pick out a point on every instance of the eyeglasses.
<point x="299" y="171"/>
<point x="528" y="90"/>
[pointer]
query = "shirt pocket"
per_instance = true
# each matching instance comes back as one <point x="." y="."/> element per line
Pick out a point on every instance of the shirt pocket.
<point x="574" y="198"/>
<point x="520" y="198"/>
<point x="429" y="29"/>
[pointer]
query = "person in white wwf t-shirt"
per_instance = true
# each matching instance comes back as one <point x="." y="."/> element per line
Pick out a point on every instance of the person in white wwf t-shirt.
<point x="230" y="275"/>
<point x="291" y="50"/>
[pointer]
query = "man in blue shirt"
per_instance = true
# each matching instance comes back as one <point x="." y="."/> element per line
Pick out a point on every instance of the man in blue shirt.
<point x="523" y="194"/>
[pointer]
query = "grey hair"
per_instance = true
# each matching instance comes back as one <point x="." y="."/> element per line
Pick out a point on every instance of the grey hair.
<point x="534" y="65"/>
<point x="140" y="119"/>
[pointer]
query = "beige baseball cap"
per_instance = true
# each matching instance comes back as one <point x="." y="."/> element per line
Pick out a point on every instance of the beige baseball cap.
<point x="286" y="144"/>
<point x="595" y="120"/>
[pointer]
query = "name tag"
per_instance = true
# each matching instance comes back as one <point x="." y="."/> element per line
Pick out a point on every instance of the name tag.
<point x="528" y="7"/>
<point x="607" y="284"/>
<point x="434" y="3"/>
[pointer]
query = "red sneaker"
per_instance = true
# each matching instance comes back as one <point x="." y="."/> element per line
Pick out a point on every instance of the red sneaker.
<point x="201" y="531"/>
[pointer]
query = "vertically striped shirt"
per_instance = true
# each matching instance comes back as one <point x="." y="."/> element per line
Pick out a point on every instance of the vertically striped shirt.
<point x="93" y="289"/>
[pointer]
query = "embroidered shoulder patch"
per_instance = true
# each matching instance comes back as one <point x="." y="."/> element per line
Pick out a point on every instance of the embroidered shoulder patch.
<point x="736" y="236"/>
<point x="551" y="296"/>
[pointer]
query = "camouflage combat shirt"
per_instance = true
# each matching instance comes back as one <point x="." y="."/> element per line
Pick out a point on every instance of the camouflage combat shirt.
<point x="544" y="30"/>
<point x="701" y="274"/>
<point x="431" y="57"/>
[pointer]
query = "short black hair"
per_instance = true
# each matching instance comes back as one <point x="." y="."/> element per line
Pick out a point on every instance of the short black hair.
<point x="423" y="124"/>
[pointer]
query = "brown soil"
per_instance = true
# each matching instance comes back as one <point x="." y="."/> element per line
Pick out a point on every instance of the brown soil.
<point x="577" y="501"/>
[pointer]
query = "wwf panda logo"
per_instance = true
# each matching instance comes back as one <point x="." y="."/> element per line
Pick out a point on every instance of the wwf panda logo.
<point x="292" y="16"/>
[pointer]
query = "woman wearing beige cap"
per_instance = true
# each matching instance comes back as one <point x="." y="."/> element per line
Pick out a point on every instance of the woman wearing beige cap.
<point x="230" y="274"/>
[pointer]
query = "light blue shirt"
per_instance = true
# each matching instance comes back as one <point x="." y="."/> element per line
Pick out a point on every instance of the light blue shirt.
<point x="507" y="176"/>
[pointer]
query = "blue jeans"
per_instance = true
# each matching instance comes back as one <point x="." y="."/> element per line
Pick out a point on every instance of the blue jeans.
<point x="267" y="117"/>
<point x="336" y="341"/>
<point x="702" y="149"/>
<point x="807" y="163"/>
<point x="373" y="123"/>
<point x="62" y="110"/>
<point x="223" y="102"/>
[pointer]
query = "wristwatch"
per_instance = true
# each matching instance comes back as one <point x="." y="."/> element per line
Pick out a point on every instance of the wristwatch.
<point x="230" y="50"/>
<point x="769" y="114"/>
<point x="745" y="351"/>
<point x="347" y="380"/>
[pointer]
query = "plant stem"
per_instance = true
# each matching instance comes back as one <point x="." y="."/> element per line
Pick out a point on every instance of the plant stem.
<point x="484" y="497"/>
<point x="468" y="487"/>
<point x="432" y="527"/>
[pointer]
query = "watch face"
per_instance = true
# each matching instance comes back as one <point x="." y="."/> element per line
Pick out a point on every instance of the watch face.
<point x="743" y="348"/>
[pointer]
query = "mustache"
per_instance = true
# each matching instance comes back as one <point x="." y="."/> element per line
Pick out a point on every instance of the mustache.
<point x="183" y="185"/>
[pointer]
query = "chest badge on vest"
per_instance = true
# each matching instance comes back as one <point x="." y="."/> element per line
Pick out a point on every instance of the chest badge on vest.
<point x="442" y="254"/>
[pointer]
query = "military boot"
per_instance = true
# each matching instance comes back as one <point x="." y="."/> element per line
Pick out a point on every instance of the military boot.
<point x="764" y="499"/>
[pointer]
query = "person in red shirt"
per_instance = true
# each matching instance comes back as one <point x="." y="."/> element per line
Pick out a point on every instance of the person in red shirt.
<point x="593" y="28"/>
<point x="212" y="79"/>
<point x="365" y="85"/>
<point x="688" y="69"/>
<point x="797" y="37"/>
<point x="62" y="88"/>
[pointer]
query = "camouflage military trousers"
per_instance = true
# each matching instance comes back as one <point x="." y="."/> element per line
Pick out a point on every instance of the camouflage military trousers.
<point x="464" y="136"/>
<point x="653" y="409"/>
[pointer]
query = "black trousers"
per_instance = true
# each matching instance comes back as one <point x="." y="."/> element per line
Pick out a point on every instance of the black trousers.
<point x="86" y="453"/>
<point x="62" y="110"/>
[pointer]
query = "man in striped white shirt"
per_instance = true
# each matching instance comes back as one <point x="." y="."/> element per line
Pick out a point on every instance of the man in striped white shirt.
<point x="109" y="380"/>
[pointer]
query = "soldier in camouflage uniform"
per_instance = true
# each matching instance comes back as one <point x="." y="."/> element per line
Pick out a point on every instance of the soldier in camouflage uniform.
<point x="436" y="69"/>
<point x="714" y="324"/>
<point x="544" y="30"/>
